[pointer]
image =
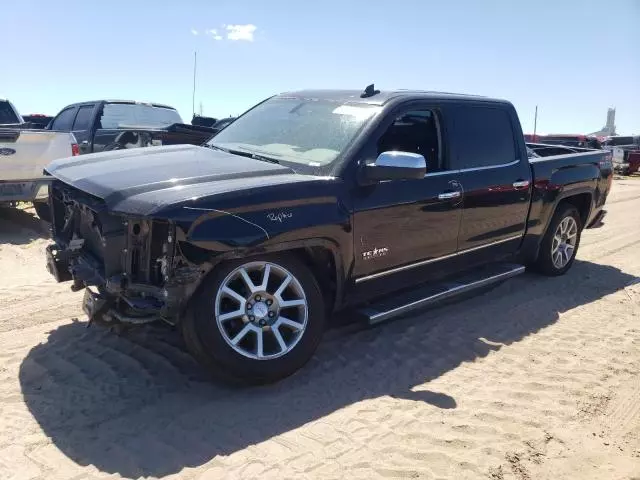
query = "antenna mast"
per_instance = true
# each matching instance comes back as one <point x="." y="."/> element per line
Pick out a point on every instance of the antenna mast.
<point x="193" y="98"/>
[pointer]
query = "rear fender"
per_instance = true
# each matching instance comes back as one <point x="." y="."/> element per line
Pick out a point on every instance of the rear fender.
<point x="551" y="201"/>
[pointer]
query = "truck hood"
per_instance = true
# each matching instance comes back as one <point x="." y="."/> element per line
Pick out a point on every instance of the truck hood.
<point x="143" y="180"/>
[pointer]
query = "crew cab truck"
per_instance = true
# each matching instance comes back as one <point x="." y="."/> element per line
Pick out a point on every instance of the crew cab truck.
<point x="104" y="125"/>
<point x="313" y="202"/>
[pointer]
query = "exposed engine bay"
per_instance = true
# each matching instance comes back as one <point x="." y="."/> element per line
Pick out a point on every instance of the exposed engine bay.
<point x="132" y="268"/>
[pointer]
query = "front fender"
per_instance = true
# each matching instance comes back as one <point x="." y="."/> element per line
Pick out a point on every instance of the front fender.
<point x="220" y="235"/>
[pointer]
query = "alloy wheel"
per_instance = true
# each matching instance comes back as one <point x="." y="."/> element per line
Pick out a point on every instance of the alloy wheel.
<point x="564" y="242"/>
<point x="261" y="310"/>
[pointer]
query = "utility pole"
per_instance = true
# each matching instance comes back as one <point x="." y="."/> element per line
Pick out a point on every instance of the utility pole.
<point x="535" y="125"/>
<point x="193" y="98"/>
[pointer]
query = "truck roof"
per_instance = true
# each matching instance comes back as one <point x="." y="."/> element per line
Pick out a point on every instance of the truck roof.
<point x="109" y="100"/>
<point x="384" y="96"/>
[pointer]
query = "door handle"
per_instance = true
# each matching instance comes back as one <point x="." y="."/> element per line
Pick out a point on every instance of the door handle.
<point x="521" y="184"/>
<point x="449" y="195"/>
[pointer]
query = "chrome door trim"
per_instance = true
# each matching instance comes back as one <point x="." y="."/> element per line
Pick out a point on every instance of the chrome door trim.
<point x="384" y="273"/>
<point x="472" y="169"/>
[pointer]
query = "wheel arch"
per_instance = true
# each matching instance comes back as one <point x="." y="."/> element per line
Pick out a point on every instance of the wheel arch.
<point x="581" y="198"/>
<point x="321" y="255"/>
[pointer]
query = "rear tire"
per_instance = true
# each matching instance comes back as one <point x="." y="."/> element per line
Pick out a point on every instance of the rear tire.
<point x="258" y="333"/>
<point x="560" y="242"/>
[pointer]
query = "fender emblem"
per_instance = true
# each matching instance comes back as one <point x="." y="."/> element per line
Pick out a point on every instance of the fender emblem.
<point x="375" y="253"/>
<point x="279" y="217"/>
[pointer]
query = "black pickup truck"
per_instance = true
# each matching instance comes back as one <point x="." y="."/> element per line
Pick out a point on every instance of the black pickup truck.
<point x="103" y="125"/>
<point x="313" y="202"/>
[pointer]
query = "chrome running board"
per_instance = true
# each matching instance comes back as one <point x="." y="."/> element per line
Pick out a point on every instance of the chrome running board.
<point x="426" y="295"/>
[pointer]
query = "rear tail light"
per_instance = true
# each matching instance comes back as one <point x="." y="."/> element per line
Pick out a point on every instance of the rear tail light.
<point x="75" y="149"/>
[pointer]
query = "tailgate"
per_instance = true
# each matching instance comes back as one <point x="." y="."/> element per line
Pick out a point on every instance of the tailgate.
<point x="25" y="153"/>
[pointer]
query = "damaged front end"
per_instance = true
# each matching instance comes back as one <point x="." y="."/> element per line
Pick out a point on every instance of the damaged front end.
<point x="132" y="268"/>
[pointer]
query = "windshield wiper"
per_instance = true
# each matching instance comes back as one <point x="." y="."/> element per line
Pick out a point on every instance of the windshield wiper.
<point x="215" y="147"/>
<point x="244" y="153"/>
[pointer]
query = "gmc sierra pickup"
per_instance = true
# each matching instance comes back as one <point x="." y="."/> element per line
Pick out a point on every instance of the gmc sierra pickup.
<point x="313" y="202"/>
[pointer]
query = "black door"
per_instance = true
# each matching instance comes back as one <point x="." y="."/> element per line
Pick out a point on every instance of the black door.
<point x="496" y="182"/>
<point x="401" y="225"/>
<point x="82" y="128"/>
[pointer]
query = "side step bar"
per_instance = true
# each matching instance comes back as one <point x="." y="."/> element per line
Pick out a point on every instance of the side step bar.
<point x="426" y="295"/>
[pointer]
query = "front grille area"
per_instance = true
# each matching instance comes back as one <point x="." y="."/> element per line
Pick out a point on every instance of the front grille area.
<point x="126" y="246"/>
<point x="145" y="247"/>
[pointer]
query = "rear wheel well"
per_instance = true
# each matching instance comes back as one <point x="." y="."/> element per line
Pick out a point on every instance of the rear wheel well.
<point x="582" y="202"/>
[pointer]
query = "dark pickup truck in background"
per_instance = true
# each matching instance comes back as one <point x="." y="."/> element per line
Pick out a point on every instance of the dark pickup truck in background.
<point x="118" y="124"/>
<point x="310" y="203"/>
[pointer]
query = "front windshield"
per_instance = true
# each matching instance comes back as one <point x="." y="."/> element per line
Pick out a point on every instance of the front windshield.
<point x="306" y="131"/>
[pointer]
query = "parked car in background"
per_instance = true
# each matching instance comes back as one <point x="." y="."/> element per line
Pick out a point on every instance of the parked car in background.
<point x="223" y="122"/>
<point x="633" y="162"/>
<point x="9" y="116"/>
<point x="313" y="202"/>
<point x="203" y="121"/>
<point x="544" y="150"/>
<point x="625" y="150"/>
<point x="37" y="120"/>
<point x="570" y="140"/>
<point x="104" y="125"/>
<point x="23" y="155"/>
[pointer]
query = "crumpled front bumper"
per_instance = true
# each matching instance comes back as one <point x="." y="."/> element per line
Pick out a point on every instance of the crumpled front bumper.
<point x="116" y="299"/>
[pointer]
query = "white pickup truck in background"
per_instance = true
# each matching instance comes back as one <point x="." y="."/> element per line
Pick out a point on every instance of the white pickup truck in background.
<point x="23" y="155"/>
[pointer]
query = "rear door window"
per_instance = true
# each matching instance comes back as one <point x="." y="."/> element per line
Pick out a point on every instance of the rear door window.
<point x="64" y="120"/>
<point x="83" y="119"/>
<point x="484" y="137"/>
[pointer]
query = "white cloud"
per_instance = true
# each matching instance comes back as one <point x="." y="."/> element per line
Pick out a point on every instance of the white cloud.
<point x="213" y="33"/>
<point x="241" y="32"/>
<point x="194" y="31"/>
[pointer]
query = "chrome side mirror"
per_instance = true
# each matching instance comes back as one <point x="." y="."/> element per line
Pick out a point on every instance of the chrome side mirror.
<point x="396" y="166"/>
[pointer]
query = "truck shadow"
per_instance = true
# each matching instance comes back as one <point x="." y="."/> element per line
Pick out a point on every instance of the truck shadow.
<point x="21" y="226"/>
<point x="137" y="405"/>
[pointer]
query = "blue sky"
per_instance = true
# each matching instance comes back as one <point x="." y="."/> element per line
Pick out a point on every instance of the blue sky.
<point x="572" y="58"/>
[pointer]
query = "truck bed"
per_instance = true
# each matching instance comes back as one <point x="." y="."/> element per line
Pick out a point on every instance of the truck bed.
<point x="587" y="173"/>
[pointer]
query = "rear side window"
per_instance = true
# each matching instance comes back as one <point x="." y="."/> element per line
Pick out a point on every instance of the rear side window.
<point x="129" y="115"/>
<point x="83" y="119"/>
<point x="484" y="137"/>
<point x="64" y="120"/>
<point x="7" y="115"/>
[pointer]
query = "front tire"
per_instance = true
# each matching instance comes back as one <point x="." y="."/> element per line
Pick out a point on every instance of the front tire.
<point x="255" y="321"/>
<point x="560" y="242"/>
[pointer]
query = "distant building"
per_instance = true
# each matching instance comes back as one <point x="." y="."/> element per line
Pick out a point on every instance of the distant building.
<point x="610" y="127"/>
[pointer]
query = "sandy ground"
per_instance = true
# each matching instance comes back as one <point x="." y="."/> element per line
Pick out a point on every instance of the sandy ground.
<point x="536" y="379"/>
